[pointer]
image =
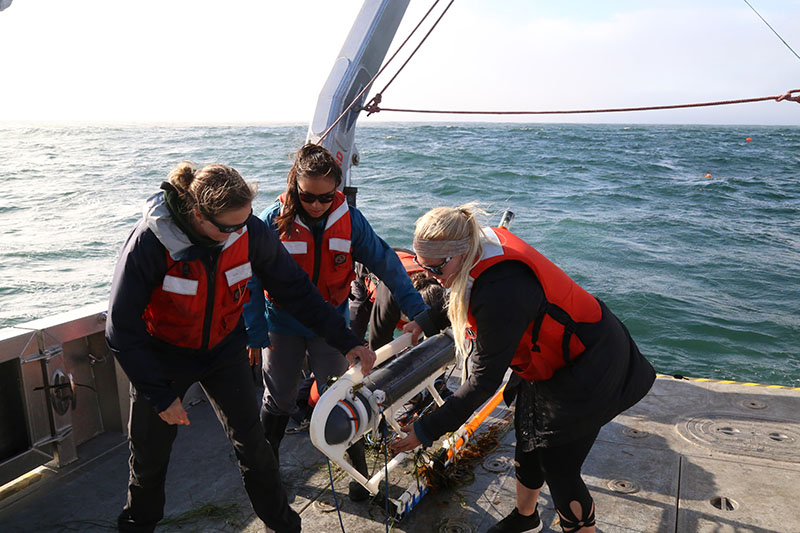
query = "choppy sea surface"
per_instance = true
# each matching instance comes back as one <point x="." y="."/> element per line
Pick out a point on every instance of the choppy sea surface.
<point x="691" y="234"/>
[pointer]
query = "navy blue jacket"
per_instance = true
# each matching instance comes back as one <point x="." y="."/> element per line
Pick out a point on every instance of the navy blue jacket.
<point x="142" y="266"/>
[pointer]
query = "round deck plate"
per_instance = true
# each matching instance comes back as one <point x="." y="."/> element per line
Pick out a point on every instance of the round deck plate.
<point x="623" y="486"/>
<point x="770" y="439"/>
<point x="326" y="504"/>
<point x="635" y="433"/>
<point x="496" y="463"/>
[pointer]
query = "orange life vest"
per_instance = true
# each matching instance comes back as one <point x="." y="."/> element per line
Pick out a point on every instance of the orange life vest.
<point x="407" y="258"/>
<point x="551" y="340"/>
<point x="194" y="308"/>
<point x="335" y="255"/>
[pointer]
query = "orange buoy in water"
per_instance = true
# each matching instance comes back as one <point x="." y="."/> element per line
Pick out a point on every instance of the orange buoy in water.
<point x="748" y="139"/>
<point x="707" y="175"/>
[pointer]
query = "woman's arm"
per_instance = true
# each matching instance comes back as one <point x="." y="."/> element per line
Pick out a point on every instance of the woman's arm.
<point x="383" y="318"/>
<point x="504" y="302"/>
<point x="141" y="267"/>
<point x="372" y="251"/>
<point x="254" y="311"/>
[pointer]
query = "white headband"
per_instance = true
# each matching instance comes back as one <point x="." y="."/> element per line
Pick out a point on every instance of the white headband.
<point x="441" y="248"/>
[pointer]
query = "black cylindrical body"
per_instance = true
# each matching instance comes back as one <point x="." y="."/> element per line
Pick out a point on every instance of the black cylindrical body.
<point x="406" y="372"/>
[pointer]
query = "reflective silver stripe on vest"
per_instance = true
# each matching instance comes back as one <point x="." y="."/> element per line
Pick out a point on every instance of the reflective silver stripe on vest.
<point x="296" y="247"/>
<point x="339" y="245"/>
<point x="180" y="285"/>
<point x="234" y="237"/>
<point x="491" y="248"/>
<point x="237" y="274"/>
<point x="299" y="222"/>
<point x="491" y="244"/>
<point x="336" y="215"/>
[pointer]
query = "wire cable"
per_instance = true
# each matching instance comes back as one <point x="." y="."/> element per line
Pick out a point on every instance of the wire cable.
<point x="385" y="469"/>
<point x="377" y="100"/>
<point x="335" y="500"/>
<point x="370" y="82"/>
<point x="773" y="29"/>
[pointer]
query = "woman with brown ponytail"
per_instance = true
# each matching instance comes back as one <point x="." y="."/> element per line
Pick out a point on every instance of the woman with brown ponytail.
<point x="325" y="236"/>
<point x="175" y="319"/>
<point x="575" y="366"/>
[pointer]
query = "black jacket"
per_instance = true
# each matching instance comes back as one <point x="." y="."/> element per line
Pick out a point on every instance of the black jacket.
<point x="610" y="376"/>
<point x="141" y="267"/>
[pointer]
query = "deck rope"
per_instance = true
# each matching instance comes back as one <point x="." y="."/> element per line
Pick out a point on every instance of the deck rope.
<point x="374" y="105"/>
<point x="787" y="96"/>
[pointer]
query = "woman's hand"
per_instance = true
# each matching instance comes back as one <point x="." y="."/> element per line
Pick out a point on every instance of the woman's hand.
<point x="255" y="356"/>
<point x="363" y="354"/>
<point x="409" y="442"/>
<point x="415" y="330"/>
<point x="174" y="414"/>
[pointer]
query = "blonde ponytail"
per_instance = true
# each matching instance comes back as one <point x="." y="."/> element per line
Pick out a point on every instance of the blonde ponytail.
<point x="451" y="224"/>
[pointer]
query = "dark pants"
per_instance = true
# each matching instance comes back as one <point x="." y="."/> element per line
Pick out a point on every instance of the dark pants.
<point x="228" y="384"/>
<point x="359" y="305"/>
<point x="560" y="467"/>
<point x="383" y="317"/>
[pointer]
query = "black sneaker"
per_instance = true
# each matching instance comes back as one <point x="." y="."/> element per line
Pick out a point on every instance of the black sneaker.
<point x="356" y="492"/>
<point x="516" y="523"/>
<point x="126" y="524"/>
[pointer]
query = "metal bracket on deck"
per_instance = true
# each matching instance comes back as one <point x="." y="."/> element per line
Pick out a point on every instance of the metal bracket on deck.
<point x="59" y="437"/>
<point x="45" y="355"/>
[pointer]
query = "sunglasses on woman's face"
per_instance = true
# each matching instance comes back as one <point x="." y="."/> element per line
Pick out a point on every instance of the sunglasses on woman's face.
<point x="227" y="229"/>
<point x="309" y="198"/>
<point x="433" y="269"/>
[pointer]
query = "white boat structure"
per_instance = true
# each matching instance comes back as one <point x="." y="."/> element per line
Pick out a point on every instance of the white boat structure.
<point x="694" y="455"/>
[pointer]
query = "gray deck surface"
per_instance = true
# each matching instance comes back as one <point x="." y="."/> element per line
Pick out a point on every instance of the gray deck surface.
<point x="656" y="467"/>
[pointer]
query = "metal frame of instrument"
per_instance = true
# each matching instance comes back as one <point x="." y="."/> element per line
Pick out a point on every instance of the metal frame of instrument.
<point x="354" y="404"/>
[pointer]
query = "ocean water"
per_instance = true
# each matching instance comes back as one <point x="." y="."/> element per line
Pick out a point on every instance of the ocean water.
<point x="691" y="234"/>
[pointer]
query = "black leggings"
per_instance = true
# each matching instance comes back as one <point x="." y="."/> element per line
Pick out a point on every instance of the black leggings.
<point x="560" y="467"/>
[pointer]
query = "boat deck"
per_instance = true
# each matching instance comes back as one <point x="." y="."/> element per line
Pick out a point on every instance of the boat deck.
<point x="694" y="455"/>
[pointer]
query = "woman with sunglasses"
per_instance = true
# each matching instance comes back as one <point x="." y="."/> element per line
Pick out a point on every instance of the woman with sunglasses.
<point x="325" y="236"/>
<point x="174" y="319"/>
<point x="575" y="366"/>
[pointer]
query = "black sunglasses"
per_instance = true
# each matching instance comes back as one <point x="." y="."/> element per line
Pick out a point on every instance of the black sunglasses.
<point x="227" y="229"/>
<point x="433" y="269"/>
<point x="309" y="198"/>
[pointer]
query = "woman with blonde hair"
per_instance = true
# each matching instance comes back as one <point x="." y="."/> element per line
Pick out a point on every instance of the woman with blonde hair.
<point x="575" y="366"/>
<point x="175" y="318"/>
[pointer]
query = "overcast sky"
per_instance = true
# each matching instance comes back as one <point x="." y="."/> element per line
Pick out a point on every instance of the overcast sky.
<point x="264" y="62"/>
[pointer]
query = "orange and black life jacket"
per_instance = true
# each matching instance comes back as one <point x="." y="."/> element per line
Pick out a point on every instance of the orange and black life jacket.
<point x="330" y="266"/>
<point x="551" y="341"/>
<point x="407" y="258"/>
<point x="196" y="307"/>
